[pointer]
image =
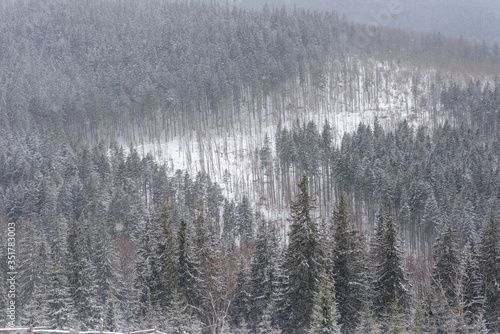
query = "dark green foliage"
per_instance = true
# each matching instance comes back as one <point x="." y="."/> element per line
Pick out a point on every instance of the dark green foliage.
<point x="110" y="321"/>
<point x="390" y="277"/>
<point x="264" y="268"/>
<point x="446" y="271"/>
<point x="303" y="262"/>
<point x="58" y="298"/>
<point x="81" y="279"/>
<point x="472" y="285"/>
<point x="324" y="317"/>
<point x="489" y="264"/>
<point x="348" y="267"/>
<point x="188" y="276"/>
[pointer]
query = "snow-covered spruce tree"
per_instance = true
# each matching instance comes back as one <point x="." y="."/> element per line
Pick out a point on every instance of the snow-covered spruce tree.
<point x="180" y="317"/>
<point x="81" y="279"/>
<point x="58" y="302"/>
<point x="32" y="258"/>
<point x="263" y="272"/>
<point x="390" y="275"/>
<point x="489" y="264"/>
<point x="229" y="226"/>
<point x="303" y="262"/>
<point x="241" y="305"/>
<point x="436" y="316"/>
<point x="244" y="218"/>
<point x="324" y="317"/>
<point x="472" y="285"/>
<point x="144" y="268"/>
<point x="445" y="275"/>
<point x="166" y="260"/>
<point x="188" y="276"/>
<point x="367" y="322"/>
<point x="393" y="321"/>
<point x="35" y="312"/>
<point x="110" y="312"/>
<point x="348" y="267"/>
<point x="105" y="260"/>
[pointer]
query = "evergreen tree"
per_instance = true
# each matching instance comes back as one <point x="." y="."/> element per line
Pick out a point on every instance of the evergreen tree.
<point x="188" y="276"/>
<point x="58" y="301"/>
<point x="81" y="280"/>
<point x="348" y="267"/>
<point x="437" y="316"/>
<point x="241" y="306"/>
<point x="35" y="309"/>
<point x="263" y="271"/>
<point x="180" y="318"/>
<point x="472" y="287"/>
<point x="324" y="318"/>
<point x="110" y="317"/>
<point x="393" y="321"/>
<point x="32" y="266"/>
<point x="489" y="264"/>
<point x="390" y="274"/>
<point x="303" y="261"/>
<point x="105" y="260"/>
<point x="166" y="260"/>
<point x="367" y="322"/>
<point x="148" y="317"/>
<point x="447" y="265"/>
<point x="245" y="220"/>
<point x="144" y="268"/>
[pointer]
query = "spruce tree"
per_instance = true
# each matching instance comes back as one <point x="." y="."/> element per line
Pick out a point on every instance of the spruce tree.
<point x="303" y="261"/>
<point x="188" y="276"/>
<point x="367" y="322"/>
<point x="263" y="271"/>
<point x="489" y="264"/>
<point x="110" y="316"/>
<point x="144" y="267"/>
<point x="437" y="316"/>
<point x="446" y="269"/>
<point x="105" y="260"/>
<point x="348" y="267"/>
<point x="390" y="274"/>
<point x="58" y="303"/>
<point x="472" y="286"/>
<point x="180" y="318"/>
<point x="324" y="317"/>
<point x="166" y="260"/>
<point x="81" y="279"/>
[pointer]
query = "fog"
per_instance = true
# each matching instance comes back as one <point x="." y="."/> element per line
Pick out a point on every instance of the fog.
<point x="478" y="19"/>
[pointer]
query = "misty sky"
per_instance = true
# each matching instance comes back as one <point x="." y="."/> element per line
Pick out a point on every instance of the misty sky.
<point x="478" y="19"/>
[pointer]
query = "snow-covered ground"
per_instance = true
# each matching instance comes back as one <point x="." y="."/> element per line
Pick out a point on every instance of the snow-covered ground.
<point x="354" y="92"/>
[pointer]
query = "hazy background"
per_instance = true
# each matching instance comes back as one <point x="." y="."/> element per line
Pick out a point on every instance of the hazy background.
<point x="472" y="19"/>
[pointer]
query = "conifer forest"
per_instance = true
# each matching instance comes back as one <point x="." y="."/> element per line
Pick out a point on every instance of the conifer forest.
<point x="199" y="167"/>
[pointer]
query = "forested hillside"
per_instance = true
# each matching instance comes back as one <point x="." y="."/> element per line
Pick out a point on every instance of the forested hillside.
<point x="202" y="168"/>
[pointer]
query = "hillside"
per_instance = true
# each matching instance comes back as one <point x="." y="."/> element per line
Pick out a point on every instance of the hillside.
<point x="204" y="168"/>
